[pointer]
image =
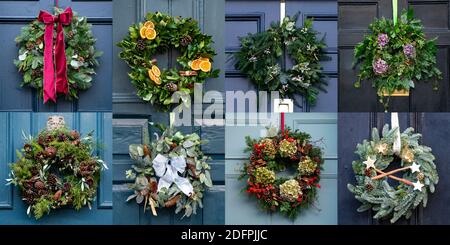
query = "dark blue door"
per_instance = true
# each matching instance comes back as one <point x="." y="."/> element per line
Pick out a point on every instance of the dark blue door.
<point x="132" y="116"/>
<point x="16" y="14"/>
<point x="248" y="16"/>
<point x="355" y="127"/>
<point x="12" y="209"/>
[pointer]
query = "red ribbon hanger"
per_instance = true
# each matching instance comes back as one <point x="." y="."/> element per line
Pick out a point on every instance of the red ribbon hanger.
<point x="55" y="57"/>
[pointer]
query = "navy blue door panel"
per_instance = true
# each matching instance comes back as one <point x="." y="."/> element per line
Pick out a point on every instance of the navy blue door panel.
<point x="16" y="14"/>
<point x="12" y="208"/>
<point x="248" y="16"/>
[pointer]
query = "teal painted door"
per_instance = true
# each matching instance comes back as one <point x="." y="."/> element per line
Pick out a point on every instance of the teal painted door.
<point x="132" y="116"/>
<point x="12" y="208"/>
<point x="16" y="14"/>
<point x="242" y="209"/>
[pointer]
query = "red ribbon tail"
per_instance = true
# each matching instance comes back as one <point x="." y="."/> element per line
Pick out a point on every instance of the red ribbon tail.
<point x="61" y="62"/>
<point x="49" y="70"/>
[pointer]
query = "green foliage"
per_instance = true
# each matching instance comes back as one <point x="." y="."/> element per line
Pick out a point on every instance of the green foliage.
<point x="385" y="200"/>
<point x="402" y="69"/>
<point x="268" y="193"/>
<point x="57" y="169"/>
<point x="260" y="55"/>
<point x="42" y="207"/>
<point x="171" y="143"/>
<point x="170" y="31"/>
<point x="80" y="54"/>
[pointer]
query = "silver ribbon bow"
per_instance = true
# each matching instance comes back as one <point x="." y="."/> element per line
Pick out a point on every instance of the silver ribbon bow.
<point x="167" y="171"/>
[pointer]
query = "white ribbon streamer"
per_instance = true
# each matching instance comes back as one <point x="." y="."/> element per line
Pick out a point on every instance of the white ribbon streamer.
<point x="282" y="11"/>
<point x="397" y="141"/>
<point x="167" y="171"/>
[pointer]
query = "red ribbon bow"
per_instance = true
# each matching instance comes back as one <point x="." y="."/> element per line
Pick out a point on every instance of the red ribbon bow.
<point x="55" y="82"/>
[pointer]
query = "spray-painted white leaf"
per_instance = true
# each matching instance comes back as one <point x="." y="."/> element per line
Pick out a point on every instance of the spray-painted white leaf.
<point x="29" y="210"/>
<point x="23" y="56"/>
<point x="75" y="64"/>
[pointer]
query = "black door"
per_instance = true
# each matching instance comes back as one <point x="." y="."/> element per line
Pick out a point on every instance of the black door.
<point x="354" y="19"/>
<point x="355" y="127"/>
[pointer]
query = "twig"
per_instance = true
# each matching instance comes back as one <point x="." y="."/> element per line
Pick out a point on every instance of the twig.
<point x="396" y="178"/>
<point x="390" y="173"/>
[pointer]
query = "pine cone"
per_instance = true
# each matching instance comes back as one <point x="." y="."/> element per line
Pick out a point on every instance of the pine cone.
<point x="368" y="172"/>
<point x="30" y="46"/>
<point x="67" y="186"/>
<point x="39" y="185"/>
<point x="49" y="139"/>
<point x="70" y="34"/>
<point x="90" y="181"/>
<point x="186" y="40"/>
<point x="420" y="176"/>
<point x="57" y="195"/>
<point x="34" y="171"/>
<point x="62" y="137"/>
<point x="29" y="196"/>
<point x="35" y="73"/>
<point x="52" y="180"/>
<point x="27" y="148"/>
<point x="74" y="135"/>
<point x="140" y="44"/>
<point x="50" y="151"/>
<point x="369" y="187"/>
<point x="172" y="87"/>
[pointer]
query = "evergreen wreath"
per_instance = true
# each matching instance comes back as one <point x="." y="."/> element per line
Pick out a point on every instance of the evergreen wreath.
<point x="261" y="53"/>
<point x="277" y="152"/>
<point x="171" y="172"/>
<point x="157" y="35"/>
<point x="372" y="188"/>
<point x="80" y="54"/>
<point x="57" y="169"/>
<point x="393" y="56"/>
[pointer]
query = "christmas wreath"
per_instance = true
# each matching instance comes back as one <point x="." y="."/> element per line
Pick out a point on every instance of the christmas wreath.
<point x="372" y="187"/>
<point x="260" y="55"/>
<point x="172" y="172"/>
<point x="394" y="55"/>
<point x="56" y="169"/>
<point x="74" y="54"/>
<point x="158" y="34"/>
<point x="278" y="152"/>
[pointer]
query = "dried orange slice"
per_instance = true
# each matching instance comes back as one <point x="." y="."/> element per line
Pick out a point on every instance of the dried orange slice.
<point x="153" y="77"/>
<point x="195" y="65"/>
<point x="149" y="24"/>
<point x="150" y="33"/>
<point x="142" y="32"/>
<point x="205" y="66"/>
<point x="156" y="71"/>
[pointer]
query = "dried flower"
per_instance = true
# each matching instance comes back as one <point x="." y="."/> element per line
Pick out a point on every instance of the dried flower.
<point x="269" y="148"/>
<point x="380" y="66"/>
<point x="264" y="176"/>
<point x="290" y="190"/>
<point x="382" y="40"/>
<point x="287" y="148"/>
<point x="409" y="50"/>
<point x="307" y="166"/>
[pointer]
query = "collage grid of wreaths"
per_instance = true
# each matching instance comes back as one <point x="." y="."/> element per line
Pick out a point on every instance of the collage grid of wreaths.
<point x="303" y="159"/>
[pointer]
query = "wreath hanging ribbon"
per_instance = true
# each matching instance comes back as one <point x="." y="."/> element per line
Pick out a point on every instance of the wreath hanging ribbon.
<point x="168" y="171"/>
<point x="55" y="82"/>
